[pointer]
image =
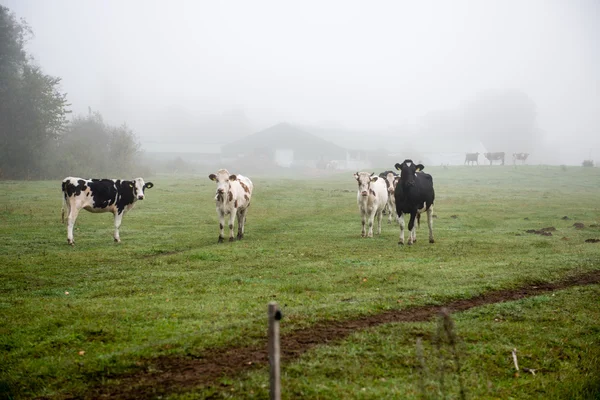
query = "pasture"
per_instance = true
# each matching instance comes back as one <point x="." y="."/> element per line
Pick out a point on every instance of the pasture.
<point x="104" y="318"/>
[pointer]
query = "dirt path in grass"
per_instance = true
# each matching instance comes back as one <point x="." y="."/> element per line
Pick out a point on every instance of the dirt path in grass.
<point x="165" y="375"/>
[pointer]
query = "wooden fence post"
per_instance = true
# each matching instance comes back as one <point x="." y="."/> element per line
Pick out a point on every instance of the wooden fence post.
<point x="273" y="333"/>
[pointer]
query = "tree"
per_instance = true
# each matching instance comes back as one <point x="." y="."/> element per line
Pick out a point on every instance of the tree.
<point x="90" y="148"/>
<point x="32" y="108"/>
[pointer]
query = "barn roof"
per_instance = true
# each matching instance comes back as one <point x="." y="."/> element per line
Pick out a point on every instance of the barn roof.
<point x="285" y="136"/>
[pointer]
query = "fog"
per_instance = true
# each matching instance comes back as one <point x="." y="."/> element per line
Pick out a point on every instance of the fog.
<point x="207" y="72"/>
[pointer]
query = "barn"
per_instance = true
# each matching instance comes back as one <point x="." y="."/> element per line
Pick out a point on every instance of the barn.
<point x="282" y="145"/>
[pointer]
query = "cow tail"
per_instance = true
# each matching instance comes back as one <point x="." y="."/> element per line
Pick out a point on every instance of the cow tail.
<point x="418" y="220"/>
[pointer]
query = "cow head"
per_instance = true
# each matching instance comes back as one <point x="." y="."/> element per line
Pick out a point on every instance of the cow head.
<point x="223" y="180"/>
<point x="408" y="172"/>
<point x="364" y="180"/>
<point x="138" y="185"/>
<point x="391" y="180"/>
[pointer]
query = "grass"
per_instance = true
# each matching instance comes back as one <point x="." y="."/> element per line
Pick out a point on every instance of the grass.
<point x="169" y="288"/>
<point x="553" y="334"/>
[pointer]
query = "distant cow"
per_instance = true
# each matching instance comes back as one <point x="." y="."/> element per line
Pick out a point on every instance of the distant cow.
<point x="521" y="157"/>
<point x="495" y="157"/>
<point x="100" y="195"/>
<point x="232" y="198"/>
<point x="470" y="158"/>
<point x="414" y="194"/>
<point x="372" y="196"/>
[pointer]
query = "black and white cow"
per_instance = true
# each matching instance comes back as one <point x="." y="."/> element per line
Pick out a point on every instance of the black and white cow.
<point x="98" y="196"/>
<point x="520" y="157"/>
<point x="414" y="194"/>
<point x="495" y="157"/>
<point x="471" y="158"/>
<point x="232" y="198"/>
<point x="385" y="175"/>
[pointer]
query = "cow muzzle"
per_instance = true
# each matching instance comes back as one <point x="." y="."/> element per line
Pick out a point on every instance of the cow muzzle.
<point x="141" y="197"/>
<point x="364" y="193"/>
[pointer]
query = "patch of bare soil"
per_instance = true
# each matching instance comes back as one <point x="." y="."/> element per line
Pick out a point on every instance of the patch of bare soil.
<point x="166" y="375"/>
<point x="579" y="225"/>
<point x="544" y="231"/>
<point x="592" y="240"/>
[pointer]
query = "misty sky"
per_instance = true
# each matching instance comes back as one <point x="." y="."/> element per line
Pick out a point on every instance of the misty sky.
<point x="358" y="64"/>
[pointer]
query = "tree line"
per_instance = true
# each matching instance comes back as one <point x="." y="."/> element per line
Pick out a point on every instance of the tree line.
<point x="37" y="140"/>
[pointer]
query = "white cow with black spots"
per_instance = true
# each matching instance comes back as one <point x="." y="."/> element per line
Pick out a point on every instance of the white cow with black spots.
<point x="372" y="198"/>
<point x="232" y="198"/>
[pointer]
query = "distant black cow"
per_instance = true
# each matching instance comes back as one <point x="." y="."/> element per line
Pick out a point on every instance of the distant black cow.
<point x="470" y="158"/>
<point x="414" y="194"/>
<point x="100" y="195"/>
<point x="521" y="157"/>
<point x="495" y="157"/>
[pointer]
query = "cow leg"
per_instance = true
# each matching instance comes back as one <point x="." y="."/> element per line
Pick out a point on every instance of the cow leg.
<point x="379" y="216"/>
<point x="364" y="221"/>
<point x="411" y="227"/>
<point x="231" y="221"/>
<point x="72" y="217"/>
<point x="221" y="227"/>
<point x="430" y="224"/>
<point x="371" y="221"/>
<point x="118" y="218"/>
<point x="241" y="223"/>
<point x="401" y="222"/>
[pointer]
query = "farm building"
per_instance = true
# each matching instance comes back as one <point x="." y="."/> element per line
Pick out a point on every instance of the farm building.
<point x="283" y="145"/>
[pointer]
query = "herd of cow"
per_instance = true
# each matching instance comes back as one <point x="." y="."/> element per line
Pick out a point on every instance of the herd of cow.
<point x="409" y="193"/>
<point x="471" y="158"/>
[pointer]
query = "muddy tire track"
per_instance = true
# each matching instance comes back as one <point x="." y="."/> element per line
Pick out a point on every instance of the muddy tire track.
<point x="166" y="375"/>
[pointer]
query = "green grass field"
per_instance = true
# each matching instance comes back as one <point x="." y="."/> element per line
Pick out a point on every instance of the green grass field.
<point x="73" y="318"/>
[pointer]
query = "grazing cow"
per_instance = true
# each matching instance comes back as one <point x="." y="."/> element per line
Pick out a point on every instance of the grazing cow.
<point x="521" y="157"/>
<point x="232" y="197"/>
<point x="414" y="194"/>
<point x="372" y="196"/>
<point x="495" y="157"/>
<point x="470" y="158"/>
<point x="100" y="195"/>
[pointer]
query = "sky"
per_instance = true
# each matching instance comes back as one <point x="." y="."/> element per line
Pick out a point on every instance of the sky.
<point x="362" y="65"/>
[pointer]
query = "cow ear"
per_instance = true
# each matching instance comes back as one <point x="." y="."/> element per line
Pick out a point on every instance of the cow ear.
<point x="149" y="185"/>
<point x="356" y="175"/>
<point x="420" y="167"/>
<point x="398" y="166"/>
<point x="374" y="178"/>
<point x="130" y="184"/>
<point x="212" y="177"/>
<point x="232" y="177"/>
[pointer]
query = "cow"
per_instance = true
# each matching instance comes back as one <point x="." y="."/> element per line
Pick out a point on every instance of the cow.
<point x="390" y="180"/>
<point x="384" y="174"/>
<point x="100" y="195"/>
<point x="414" y="194"/>
<point x="232" y="198"/>
<point x="470" y="158"/>
<point x="521" y="157"/>
<point x="372" y="196"/>
<point x="495" y="157"/>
